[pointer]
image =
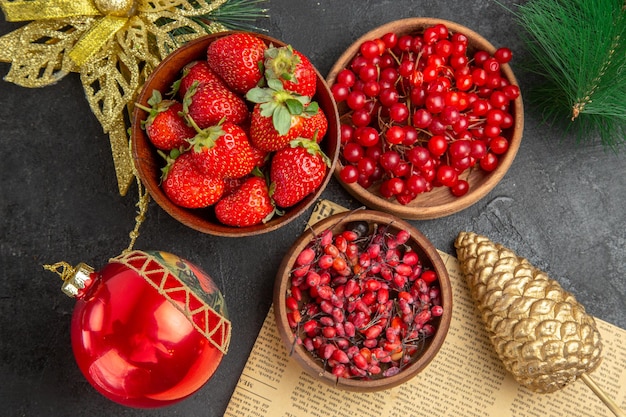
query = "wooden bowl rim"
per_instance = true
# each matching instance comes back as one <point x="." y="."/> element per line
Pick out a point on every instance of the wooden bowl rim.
<point x="303" y="357"/>
<point x="143" y="152"/>
<point x="414" y="211"/>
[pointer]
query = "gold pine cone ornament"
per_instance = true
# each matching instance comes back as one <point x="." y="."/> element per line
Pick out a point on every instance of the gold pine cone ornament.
<point x="543" y="336"/>
<point x="541" y="333"/>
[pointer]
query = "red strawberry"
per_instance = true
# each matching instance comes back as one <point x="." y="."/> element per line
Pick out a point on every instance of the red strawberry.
<point x="165" y="126"/>
<point x="250" y="204"/>
<point x="297" y="171"/>
<point x="232" y="184"/>
<point x="278" y="116"/>
<point x="223" y="151"/>
<point x="260" y="157"/>
<point x="237" y="59"/>
<point x="209" y="103"/>
<point x="315" y="126"/>
<point x="186" y="186"/>
<point x="196" y="71"/>
<point x="292" y="68"/>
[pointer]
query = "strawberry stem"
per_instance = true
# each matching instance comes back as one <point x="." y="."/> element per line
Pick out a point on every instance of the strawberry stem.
<point x="281" y="63"/>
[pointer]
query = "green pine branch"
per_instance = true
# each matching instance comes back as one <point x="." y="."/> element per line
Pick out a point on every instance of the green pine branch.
<point x="578" y="50"/>
<point x="238" y="14"/>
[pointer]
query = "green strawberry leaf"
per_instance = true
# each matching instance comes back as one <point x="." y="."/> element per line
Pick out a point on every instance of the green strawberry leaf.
<point x="268" y="109"/>
<point x="275" y="84"/>
<point x="169" y="161"/>
<point x="176" y="86"/>
<point x="281" y="120"/>
<point x="155" y="98"/>
<point x="295" y="106"/>
<point x="312" y="109"/>
<point x="260" y="95"/>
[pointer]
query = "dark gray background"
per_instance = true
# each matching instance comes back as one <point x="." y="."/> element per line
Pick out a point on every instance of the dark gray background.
<point x="560" y="205"/>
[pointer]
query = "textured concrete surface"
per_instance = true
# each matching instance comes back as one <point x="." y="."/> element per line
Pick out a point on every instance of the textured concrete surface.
<point x="560" y="205"/>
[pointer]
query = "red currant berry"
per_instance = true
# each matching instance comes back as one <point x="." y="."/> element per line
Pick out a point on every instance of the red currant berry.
<point x="346" y="77"/>
<point x="395" y="185"/>
<point x="395" y="135"/>
<point x="478" y="149"/>
<point x="349" y="174"/>
<point x="491" y="65"/>
<point x="460" y="188"/>
<point x="422" y="118"/>
<point x="435" y="102"/>
<point x="389" y="160"/>
<point x="498" y="99"/>
<point x="366" y="136"/>
<point x="368" y="72"/>
<point x="480" y="57"/>
<point x="503" y="55"/>
<point x="361" y="117"/>
<point x="390" y="39"/>
<point x="410" y="135"/>
<point x="398" y="112"/>
<point x="416" y="183"/>
<point x="418" y="156"/>
<point x="450" y="115"/>
<point x="489" y="162"/>
<point x="460" y="149"/>
<point x="405" y="43"/>
<point x="340" y="92"/>
<point x="369" y="49"/>
<point x="366" y="166"/>
<point x="446" y="175"/>
<point x="352" y="152"/>
<point x="460" y="38"/>
<point x="388" y="97"/>
<point x="499" y="145"/>
<point x="511" y="91"/>
<point x="437" y="145"/>
<point x="356" y="100"/>
<point x="371" y="88"/>
<point x="347" y="132"/>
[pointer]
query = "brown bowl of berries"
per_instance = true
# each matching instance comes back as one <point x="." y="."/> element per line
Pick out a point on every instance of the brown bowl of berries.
<point x="363" y="301"/>
<point x="235" y="134"/>
<point x="431" y="117"/>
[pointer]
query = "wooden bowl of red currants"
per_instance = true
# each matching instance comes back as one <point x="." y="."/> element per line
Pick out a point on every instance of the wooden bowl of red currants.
<point x="363" y="301"/>
<point x="431" y="117"/>
<point x="220" y="168"/>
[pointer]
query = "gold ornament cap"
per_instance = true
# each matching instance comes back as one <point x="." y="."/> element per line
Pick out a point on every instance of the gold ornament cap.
<point x="77" y="280"/>
<point x="120" y="8"/>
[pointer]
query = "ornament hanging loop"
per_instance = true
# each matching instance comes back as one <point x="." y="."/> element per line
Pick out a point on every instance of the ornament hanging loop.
<point x="62" y="269"/>
<point x="142" y="204"/>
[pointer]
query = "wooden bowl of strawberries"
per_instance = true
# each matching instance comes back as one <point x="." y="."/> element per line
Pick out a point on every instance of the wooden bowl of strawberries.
<point x="363" y="301"/>
<point x="235" y="134"/>
<point x="431" y="117"/>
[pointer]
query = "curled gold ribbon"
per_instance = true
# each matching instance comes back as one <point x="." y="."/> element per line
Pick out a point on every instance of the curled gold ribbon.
<point x="86" y="46"/>
<point x="95" y="38"/>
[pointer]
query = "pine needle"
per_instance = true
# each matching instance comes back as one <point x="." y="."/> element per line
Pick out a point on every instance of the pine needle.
<point x="239" y="14"/>
<point x="578" y="49"/>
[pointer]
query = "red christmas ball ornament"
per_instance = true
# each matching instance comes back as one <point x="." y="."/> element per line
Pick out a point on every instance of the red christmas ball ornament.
<point x="149" y="329"/>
